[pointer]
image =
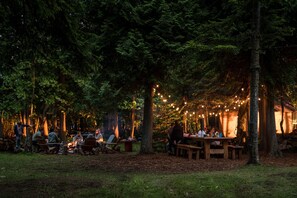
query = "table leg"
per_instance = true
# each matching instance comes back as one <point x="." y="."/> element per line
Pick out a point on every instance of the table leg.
<point x="197" y="154"/>
<point x="225" y="145"/>
<point x="177" y="151"/>
<point x="239" y="153"/>
<point x="207" y="149"/>
<point x="190" y="153"/>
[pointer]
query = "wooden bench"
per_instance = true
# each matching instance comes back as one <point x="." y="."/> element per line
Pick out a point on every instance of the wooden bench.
<point x="235" y="150"/>
<point x="190" y="149"/>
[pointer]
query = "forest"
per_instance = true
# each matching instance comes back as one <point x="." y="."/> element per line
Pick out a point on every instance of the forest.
<point x="116" y="64"/>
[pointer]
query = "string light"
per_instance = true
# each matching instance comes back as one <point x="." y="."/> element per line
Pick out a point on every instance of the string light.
<point x="237" y="102"/>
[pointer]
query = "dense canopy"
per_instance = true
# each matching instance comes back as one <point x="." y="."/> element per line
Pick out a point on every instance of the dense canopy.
<point x="87" y="59"/>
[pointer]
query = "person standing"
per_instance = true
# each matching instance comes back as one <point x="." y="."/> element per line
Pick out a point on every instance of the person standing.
<point x="176" y="135"/>
<point x="18" y="131"/>
<point x="169" y="145"/>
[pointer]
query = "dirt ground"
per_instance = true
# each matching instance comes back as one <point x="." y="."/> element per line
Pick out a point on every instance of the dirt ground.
<point x="164" y="163"/>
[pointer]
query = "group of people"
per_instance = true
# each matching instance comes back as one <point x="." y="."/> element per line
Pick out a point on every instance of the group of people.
<point x="79" y="140"/>
<point x="176" y="134"/>
<point x="52" y="138"/>
<point x="214" y="132"/>
<point x="37" y="136"/>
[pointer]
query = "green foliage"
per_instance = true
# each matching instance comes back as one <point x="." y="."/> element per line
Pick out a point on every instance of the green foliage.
<point x="91" y="57"/>
<point x="41" y="52"/>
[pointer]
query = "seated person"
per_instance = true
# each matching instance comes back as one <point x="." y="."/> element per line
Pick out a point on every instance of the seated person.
<point x="53" y="136"/>
<point x="221" y="134"/>
<point x="38" y="136"/>
<point x="54" y="139"/>
<point x="77" y="140"/>
<point x="216" y="133"/>
<point x="98" y="136"/>
<point x="212" y="132"/>
<point x="201" y="133"/>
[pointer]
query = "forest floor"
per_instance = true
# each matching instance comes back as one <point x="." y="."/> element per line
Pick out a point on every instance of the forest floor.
<point x="164" y="163"/>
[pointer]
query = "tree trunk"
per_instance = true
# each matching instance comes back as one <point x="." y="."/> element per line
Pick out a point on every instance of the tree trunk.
<point x="111" y="124"/>
<point x="185" y="121"/>
<point x="263" y="119"/>
<point x="282" y="119"/>
<point x="133" y="116"/>
<point x="206" y="117"/>
<point x="242" y="112"/>
<point x="116" y="124"/>
<point x="63" y="126"/>
<point x="272" y="145"/>
<point x="45" y="126"/>
<point x="29" y="131"/>
<point x="1" y="125"/>
<point x="254" y="68"/>
<point x="147" y="133"/>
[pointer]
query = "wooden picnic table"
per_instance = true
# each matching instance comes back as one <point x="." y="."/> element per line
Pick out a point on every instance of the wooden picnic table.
<point x="224" y="141"/>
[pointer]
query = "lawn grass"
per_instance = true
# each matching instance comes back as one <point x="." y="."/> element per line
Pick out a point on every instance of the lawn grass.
<point x="37" y="175"/>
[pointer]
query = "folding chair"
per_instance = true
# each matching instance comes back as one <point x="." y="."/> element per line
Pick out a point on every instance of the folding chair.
<point x="110" y="145"/>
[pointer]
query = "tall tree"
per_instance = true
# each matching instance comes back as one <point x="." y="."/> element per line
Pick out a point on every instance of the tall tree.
<point x="138" y="42"/>
<point x="42" y="52"/>
<point x="255" y="69"/>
